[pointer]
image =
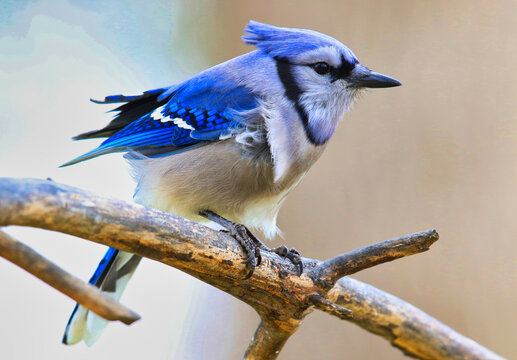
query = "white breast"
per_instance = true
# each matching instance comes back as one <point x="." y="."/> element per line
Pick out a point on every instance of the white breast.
<point x="292" y="152"/>
<point x="221" y="178"/>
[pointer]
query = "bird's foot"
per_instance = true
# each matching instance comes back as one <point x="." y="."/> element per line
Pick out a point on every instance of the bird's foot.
<point x="249" y="243"/>
<point x="292" y="254"/>
<point x="254" y="258"/>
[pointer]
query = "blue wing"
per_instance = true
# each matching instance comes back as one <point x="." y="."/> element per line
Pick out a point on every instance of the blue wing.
<point x="170" y="120"/>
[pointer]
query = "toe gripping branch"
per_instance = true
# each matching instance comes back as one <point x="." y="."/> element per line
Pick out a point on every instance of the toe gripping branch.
<point x="251" y="245"/>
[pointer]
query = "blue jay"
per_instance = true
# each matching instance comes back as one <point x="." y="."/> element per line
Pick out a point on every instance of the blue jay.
<point x="230" y="143"/>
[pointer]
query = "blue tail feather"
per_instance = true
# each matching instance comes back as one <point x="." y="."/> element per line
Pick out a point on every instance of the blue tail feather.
<point x="103" y="267"/>
<point x="98" y="276"/>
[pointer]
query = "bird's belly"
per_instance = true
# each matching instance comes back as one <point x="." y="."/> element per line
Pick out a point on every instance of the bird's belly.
<point x="215" y="177"/>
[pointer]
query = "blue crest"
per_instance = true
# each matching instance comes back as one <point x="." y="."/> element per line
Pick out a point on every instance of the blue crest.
<point x="286" y="43"/>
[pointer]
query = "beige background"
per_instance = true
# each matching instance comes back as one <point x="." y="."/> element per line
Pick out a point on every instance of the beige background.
<point x="440" y="151"/>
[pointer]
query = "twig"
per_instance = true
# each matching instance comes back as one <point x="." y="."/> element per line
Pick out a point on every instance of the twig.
<point x="331" y="270"/>
<point x="87" y="295"/>
<point x="329" y="307"/>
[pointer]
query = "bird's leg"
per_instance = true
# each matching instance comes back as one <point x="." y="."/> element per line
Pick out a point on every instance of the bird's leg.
<point x="249" y="243"/>
<point x="252" y="245"/>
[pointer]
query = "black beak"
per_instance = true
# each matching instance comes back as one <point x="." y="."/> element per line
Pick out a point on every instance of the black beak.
<point x="373" y="80"/>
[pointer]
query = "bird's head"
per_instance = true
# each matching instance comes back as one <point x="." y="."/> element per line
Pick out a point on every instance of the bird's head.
<point x="321" y="76"/>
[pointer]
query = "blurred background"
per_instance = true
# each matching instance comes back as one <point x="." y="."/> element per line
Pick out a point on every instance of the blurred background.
<point x="440" y="151"/>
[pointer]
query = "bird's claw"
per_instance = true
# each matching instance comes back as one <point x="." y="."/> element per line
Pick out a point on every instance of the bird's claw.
<point x="292" y="255"/>
<point x="241" y="234"/>
<point x="251" y="245"/>
<point x="254" y="259"/>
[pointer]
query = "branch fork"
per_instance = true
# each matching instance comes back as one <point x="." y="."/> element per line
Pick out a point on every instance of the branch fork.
<point x="275" y="291"/>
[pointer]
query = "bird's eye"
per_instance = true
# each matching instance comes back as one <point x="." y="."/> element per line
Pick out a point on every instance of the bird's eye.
<point x="321" y="68"/>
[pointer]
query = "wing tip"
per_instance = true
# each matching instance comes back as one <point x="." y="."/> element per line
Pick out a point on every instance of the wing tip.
<point x="91" y="134"/>
<point x="93" y="154"/>
<point x="69" y="163"/>
<point x="114" y="99"/>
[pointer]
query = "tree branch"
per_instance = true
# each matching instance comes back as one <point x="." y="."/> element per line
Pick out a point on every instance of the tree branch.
<point x="281" y="298"/>
<point x="403" y="325"/>
<point x="332" y="270"/>
<point x="268" y="340"/>
<point x="85" y="294"/>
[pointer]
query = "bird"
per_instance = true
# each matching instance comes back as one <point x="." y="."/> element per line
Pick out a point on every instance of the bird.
<point x="226" y="146"/>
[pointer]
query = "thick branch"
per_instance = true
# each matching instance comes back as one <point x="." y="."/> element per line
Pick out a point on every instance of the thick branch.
<point x="209" y="255"/>
<point x="331" y="270"/>
<point x="87" y="295"/>
<point x="274" y="291"/>
<point x="403" y="325"/>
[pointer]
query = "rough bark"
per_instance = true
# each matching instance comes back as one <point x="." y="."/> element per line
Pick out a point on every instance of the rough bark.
<point x="403" y="325"/>
<point x="281" y="298"/>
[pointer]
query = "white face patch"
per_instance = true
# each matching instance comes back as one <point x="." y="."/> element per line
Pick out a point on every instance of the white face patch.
<point x="158" y="113"/>
<point x="325" y="105"/>
<point x="328" y="54"/>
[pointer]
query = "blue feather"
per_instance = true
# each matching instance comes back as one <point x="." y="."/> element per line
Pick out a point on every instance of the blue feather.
<point x="103" y="266"/>
<point x="287" y="43"/>
<point x="213" y="91"/>
<point x="213" y="133"/>
<point x="207" y="104"/>
<point x="96" y="279"/>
